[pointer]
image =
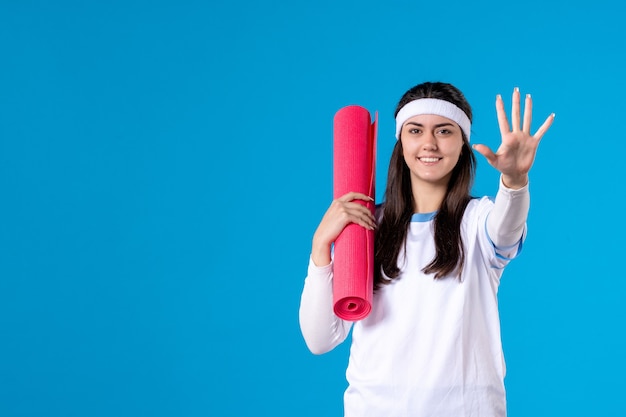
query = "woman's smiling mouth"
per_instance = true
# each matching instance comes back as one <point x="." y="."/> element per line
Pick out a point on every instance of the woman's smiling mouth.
<point x="429" y="159"/>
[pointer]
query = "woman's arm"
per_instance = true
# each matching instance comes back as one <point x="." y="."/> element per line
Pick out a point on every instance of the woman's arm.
<point x="513" y="159"/>
<point x="342" y="211"/>
<point x="507" y="220"/>
<point x="321" y="328"/>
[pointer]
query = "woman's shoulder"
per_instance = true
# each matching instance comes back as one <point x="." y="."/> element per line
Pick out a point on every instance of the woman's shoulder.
<point x="477" y="210"/>
<point x="485" y="200"/>
<point x="479" y="206"/>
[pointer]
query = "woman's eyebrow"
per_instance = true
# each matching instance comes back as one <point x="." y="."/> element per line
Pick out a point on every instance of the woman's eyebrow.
<point x="437" y="125"/>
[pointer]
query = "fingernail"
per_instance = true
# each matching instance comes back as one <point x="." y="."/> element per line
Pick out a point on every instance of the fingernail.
<point x="498" y="96"/>
<point x="516" y="89"/>
<point x="527" y="95"/>
<point x="553" y="115"/>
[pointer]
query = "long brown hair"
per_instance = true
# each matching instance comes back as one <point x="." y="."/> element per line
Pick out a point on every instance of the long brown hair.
<point x="397" y="208"/>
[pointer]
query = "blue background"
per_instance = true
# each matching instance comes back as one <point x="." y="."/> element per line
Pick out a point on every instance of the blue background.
<point x="163" y="165"/>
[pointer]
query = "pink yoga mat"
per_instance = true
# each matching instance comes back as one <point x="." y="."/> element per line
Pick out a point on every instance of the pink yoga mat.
<point x="354" y="162"/>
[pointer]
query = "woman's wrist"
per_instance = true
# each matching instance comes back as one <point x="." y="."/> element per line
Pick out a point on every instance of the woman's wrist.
<point x="515" y="182"/>
<point x="320" y="253"/>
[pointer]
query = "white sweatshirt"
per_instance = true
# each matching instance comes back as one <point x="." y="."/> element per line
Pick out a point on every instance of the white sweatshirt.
<point x="429" y="347"/>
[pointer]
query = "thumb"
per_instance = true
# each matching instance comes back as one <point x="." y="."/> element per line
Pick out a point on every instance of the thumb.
<point x="486" y="152"/>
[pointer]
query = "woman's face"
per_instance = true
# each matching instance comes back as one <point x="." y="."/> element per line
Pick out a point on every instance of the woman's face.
<point x="431" y="147"/>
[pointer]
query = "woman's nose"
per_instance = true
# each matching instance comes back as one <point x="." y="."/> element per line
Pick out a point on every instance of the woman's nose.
<point x="430" y="142"/>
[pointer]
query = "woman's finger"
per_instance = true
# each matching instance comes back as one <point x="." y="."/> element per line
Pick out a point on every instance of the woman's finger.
<point x="344" y="215"/>
<point x="515" y="111"/>
<point x="365" y="220"/>
<point x="528" y="113"/>
<point x="352" y="195"/>
<point x="486" y="152"/>
<point x="502" y="120"/>
<point x="357" y="210"/>
<point x="544" y="127"/>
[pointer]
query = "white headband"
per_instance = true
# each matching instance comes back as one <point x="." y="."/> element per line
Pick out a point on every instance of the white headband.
<point x="433" y="106"/>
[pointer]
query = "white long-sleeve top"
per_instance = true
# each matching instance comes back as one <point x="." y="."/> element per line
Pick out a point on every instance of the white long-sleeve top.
<point x="429" y="347"/>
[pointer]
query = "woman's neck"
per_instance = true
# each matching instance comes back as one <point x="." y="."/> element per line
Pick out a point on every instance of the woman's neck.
<point x="427" y="197"/>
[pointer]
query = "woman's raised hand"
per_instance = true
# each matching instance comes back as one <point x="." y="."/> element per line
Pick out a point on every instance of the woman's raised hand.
<point x="342" y="211"/>
<point x="516" y="153"/>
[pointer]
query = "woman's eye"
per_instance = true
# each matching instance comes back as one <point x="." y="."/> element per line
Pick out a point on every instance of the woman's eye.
<point x="444" y="132"/>
<point x="414" y="131"/>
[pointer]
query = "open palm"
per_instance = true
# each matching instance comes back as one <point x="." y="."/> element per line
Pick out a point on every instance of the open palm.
<point x="516" y="153"/>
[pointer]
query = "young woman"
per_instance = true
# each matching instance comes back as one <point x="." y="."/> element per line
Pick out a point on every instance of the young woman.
<point x="431" y="345"/>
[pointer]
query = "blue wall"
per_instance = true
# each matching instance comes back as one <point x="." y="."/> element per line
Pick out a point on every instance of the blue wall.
<point x="163" y="166"/>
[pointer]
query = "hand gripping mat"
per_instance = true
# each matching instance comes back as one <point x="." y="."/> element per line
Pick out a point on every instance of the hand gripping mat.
<point x="354" y="161"/>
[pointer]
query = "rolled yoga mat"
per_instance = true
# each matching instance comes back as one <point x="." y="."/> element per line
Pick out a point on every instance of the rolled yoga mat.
<point x="354" y="161"/>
